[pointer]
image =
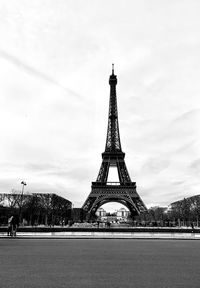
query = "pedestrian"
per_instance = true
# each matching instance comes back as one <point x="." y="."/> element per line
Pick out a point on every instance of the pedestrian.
<point x="192" y="226"/>
<point x="15" y="224"/>
<point x="9" y="231"/>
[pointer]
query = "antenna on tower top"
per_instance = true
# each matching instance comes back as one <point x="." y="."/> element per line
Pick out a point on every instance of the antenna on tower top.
<point x="112" y="69"/>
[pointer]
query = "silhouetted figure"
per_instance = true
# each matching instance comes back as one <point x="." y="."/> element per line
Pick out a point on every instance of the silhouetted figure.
<point x="9" y="231"/>
<point x="108" y="224"/>
<point x="192" y="226"/>
<point x="15" y="224"/>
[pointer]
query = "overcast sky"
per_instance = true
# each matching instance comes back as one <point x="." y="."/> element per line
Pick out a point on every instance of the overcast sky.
<point x="55" y="62"/>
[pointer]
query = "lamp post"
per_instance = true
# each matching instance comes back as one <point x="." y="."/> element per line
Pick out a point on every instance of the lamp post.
<point x="20" y="210"/>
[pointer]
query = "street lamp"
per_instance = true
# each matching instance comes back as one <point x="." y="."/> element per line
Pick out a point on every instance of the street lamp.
<point x="20" y="211"/>
<point x="23" y="184"/>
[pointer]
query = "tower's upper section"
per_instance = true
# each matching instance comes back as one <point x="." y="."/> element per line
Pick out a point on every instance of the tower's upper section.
<point x="113" y="77"/>
<point x="113" y="144"/>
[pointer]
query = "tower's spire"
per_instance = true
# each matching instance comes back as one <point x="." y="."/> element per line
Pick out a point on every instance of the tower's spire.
<point x="112" y="69"/>
<point x="113" y="139"/>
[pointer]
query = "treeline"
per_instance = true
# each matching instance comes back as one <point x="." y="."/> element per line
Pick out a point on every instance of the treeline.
<point x="181" y="213"/>
<point x="35" y="209"/>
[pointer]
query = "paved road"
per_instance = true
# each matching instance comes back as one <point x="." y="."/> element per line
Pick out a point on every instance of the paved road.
<point x="99" y="263"/>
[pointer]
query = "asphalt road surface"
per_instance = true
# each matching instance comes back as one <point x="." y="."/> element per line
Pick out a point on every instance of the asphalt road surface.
<point x="99" y="263"/>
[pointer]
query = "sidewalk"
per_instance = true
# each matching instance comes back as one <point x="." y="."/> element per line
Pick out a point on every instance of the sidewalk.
<point x="103" y="235"/>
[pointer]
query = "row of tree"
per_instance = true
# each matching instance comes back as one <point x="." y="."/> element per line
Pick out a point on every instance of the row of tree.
<point x="35" y="209"/>
<point x="180" y="213"/>
<point x="51" y="209"/>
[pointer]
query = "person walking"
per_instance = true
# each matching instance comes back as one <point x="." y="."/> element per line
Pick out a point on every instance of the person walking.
<point x="9" y="231"/>
<point x="192" y="226"/>
<point x="15" y="224"/>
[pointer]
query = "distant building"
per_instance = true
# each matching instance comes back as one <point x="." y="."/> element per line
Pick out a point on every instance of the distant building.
<point x="119" y="215"/>
<point x="101" y="212"/>
<point x="122" y="214"/>
<point x="13" y="199"/>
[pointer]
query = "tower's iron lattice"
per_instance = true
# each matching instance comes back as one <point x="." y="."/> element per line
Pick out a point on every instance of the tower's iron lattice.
<point x="123" y="191"/>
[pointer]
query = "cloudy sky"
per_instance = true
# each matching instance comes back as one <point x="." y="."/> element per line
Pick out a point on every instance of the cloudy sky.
<point x="55" y="62"/>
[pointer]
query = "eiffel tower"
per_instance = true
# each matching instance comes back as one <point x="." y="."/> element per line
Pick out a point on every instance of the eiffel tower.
<point x="123" y="191"/>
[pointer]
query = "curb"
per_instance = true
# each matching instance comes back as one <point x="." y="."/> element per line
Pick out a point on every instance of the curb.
<point x="148" y="236"/>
